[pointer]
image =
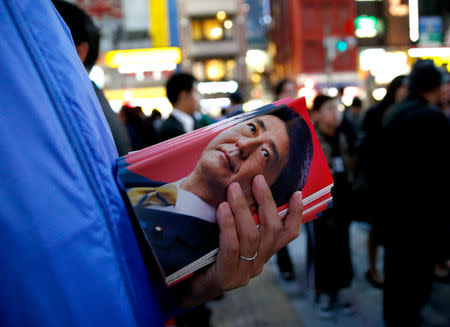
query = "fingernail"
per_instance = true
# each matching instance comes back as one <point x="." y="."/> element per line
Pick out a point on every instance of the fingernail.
<point x="299" y="195"/>
<point x="223" y="209"/>
<point x="260" y="180"/>
<point x="235" y="189"/>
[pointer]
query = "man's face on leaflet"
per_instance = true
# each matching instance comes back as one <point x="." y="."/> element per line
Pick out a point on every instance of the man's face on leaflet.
<point x="257" y="146"/>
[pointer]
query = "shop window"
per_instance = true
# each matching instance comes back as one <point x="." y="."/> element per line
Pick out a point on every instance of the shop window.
<point x="214" y="70"/>
<point x="211" y="29"/>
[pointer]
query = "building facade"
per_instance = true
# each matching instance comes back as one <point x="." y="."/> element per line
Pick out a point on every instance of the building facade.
<point x="304" y="35"/>
<point x="213" y="47"/>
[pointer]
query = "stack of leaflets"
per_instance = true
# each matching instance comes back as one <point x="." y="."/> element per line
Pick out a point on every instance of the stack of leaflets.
<point x="175" y="186"/>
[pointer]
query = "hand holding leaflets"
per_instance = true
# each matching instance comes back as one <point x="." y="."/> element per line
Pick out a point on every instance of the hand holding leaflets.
<point x="177" y="186"/>
<point x="239" y="236"/>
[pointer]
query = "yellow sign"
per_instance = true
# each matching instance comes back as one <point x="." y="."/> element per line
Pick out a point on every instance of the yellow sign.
<point x="147" y="92"/>
<point x="159" y="30"/>
<point x="440" y="56"/>
<point x="118" y="58"/>
<point x="440" y="61"/>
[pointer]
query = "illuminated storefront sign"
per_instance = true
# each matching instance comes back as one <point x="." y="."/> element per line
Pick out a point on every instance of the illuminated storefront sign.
<point x="148" y="98"/>
<point x="414" y="20"/>
<point x="440" y="56"/>
<point x="397" y="8"/>
<point x="144" y="57"/>
<point x="366" y="26"/>
<point x="159" y="30"/>
<point x="215" y="69"/>
<point x="257" y="60"/>
<point x="147" y="92"/>
<point x="384" y="65"/>
<point x="217" y="87"/>
<point x="100" y="9"/>
<point x="430" y="30"/>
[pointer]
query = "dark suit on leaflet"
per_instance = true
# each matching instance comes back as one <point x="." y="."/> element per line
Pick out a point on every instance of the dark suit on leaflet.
<point x="177" y="239"/>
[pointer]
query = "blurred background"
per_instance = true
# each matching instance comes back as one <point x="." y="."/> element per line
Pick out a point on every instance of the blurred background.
<point x="247" y="53"/>
<point x="346" y="47"/>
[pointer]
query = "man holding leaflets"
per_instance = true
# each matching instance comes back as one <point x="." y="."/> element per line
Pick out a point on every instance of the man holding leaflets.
<point x="66" y="163"/>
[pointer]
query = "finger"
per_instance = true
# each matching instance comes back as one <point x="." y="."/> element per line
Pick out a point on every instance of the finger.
<point x="246" y="228"/>
<point x="291" y="228"/>
<point x="270" y="221"/>
<point x="228" y="240"/>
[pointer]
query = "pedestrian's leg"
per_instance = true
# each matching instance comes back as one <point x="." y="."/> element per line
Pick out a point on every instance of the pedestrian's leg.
<point x="285" y="264"/>
<point x="405" y="290"/>
<point x="372" y="274"/>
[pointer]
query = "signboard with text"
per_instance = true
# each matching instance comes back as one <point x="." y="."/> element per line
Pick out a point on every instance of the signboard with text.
<point x="101" y="8"/>
<point x="430" y="30"/>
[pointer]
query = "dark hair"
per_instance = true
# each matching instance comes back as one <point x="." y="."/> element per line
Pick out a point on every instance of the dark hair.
<point x="82" y="29"/>
<point x="425" y="76"/>
<point x="132" y="114"/>
<point x="177" y="83"/>
<point x="391" y="90"/>
<point x="294" y="175"/>
<point x="319" y="100"/>
<point x="236" y="97"/>
<point x="280" y="85"/>
<point x="155" y="114"/>
<point x="356" y="102"/>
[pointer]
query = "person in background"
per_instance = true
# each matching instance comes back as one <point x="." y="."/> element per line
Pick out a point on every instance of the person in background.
<point x="235" y="107"/>
<point x="340" y="93"/>
<point x="139" y="127"/>
<point x="347" y="128"/>
<point x="445" y="97"/>
<point x="283" y="89"/>
<point x="370" y="130"/>
<point x="86" y="37"/>
<point x="181" y="90"/>
<point x="354" y="114"/>
<point x="202" y="120"/>
<point x="442" y="267"/>
<point x="156" y="120"/>
<point x="411" y="175"/>
<point x="328" y="237"/>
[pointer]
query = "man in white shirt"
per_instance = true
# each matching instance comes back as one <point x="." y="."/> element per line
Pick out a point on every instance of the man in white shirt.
<point x="181" y="89"/>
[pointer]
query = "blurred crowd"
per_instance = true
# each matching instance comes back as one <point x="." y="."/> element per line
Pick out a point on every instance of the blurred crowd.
<point x="390" y="165"/>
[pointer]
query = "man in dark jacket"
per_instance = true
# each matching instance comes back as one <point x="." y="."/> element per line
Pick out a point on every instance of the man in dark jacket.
<point x="74" y="233"/>
<point x="181" y="89"/>
<point x="86" y="37"/>
<point x="412" y="176"/>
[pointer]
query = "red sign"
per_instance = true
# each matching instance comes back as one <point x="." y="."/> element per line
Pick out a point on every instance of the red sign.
<point x="102" y="8"/>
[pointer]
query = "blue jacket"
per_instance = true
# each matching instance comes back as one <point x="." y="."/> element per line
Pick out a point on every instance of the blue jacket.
<point x="68" y="254"/>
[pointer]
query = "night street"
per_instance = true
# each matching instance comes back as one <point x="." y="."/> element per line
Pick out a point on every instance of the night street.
<point x="262" y="303"/>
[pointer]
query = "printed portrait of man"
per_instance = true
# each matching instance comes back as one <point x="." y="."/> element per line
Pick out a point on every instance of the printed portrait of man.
<point x="179" y="218"/>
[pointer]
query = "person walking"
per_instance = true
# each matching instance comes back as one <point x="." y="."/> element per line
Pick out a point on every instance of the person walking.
<point x="86" y="37"/>
<point x="329" y="259"/>
<point x="411" y="178"/>
<point x="369" y="136"/>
